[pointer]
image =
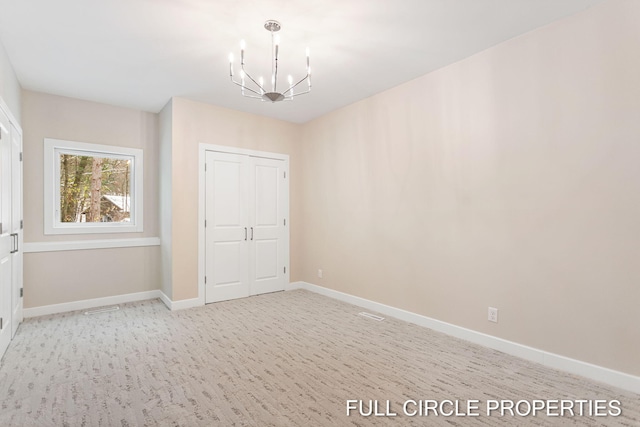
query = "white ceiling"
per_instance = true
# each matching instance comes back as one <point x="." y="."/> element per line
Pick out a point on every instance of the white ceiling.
<point x="140" y="53"/>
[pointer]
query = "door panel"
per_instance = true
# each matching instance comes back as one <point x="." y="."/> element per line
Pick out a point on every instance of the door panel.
<point x="266" y="194"/>
<point x="16" y="228"/>
<point x="7" y="241"/>
<point x="227" y="203"/>
<point x="227" y="262"/>
<point x="267" y="220"/>
<point x="226" y="250"/>
<point x="266" y="259"/>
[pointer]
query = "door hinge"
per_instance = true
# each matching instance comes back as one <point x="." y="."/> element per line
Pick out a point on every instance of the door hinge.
<point x="285" y="270"/>
<point x="21" y="292"/>
<point x="205" y="280"/>
<point x="205" y="223"/>
<point x="0" y="323"/>
<point x="285" y="175"/>
<point x="20" y="156"/>
<point x="285" y="221"/>
<point x="21" y="224"/>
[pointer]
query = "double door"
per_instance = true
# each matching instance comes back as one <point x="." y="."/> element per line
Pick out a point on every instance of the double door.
<point x="10" y="230"/>
<point x="246" y="230"/>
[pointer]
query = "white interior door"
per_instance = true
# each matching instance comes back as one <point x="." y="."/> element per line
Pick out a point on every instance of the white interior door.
<point x="7" y="240"/>
<point x="226" y="227"/>
<point x="267" y="250"/>
<point x="246" y="238"/>
<point x="16" y="229"/>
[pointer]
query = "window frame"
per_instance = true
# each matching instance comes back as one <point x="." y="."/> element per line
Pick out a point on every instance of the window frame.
<point x="52" y="224"/>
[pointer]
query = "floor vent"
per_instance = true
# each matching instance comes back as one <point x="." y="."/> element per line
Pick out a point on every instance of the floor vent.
<point x="102" y="310"/>
<point x="371" y="316"/>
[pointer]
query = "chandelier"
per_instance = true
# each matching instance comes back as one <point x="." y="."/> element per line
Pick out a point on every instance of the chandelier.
<point x="251" y="88"/>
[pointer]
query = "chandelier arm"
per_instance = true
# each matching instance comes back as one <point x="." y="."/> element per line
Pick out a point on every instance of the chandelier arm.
<point x="297" y="94"/>
<point x="255" y="82"/>
<point x="292" y="87"/>
<point x="247" y="88"/>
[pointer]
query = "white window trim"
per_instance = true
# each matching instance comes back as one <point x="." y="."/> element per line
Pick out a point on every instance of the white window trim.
<point x="52" y="224"/>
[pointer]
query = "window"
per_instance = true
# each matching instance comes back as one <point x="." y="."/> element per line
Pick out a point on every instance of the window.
<point x="91" y="188"/>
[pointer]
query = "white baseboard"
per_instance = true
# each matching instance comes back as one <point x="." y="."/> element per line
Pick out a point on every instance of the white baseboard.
<point x="180" y="304"/>
<point x="116" y="299"/>
<point x="89" y="303"/>
<point x="166" y="300"/>
<point x="588" y="370"/>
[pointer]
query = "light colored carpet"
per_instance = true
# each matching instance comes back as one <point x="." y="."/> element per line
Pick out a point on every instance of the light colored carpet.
<point x="284" y="359"/>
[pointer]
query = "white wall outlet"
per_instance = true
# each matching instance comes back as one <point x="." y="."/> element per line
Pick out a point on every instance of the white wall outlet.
<point x="320" y="273"/>
<point x="493" y="314"/>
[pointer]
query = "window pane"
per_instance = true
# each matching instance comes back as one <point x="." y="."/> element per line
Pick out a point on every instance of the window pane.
<point x="95" y="189"/>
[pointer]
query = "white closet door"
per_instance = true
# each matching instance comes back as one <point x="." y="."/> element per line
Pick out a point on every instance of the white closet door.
<point x="227" y="256"/>
<point x="268" y="233"/>
<point x="246" y="238"/>
<point x="16" y="228"/>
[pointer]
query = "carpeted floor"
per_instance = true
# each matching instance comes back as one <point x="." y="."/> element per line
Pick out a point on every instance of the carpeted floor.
<point x="284" y="359"/>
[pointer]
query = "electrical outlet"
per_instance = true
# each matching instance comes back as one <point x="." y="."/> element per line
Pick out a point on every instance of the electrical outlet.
<point x="320" y="273"/>
<point x="493" y="314"/>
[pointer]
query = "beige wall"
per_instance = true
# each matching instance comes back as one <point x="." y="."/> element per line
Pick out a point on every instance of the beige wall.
<point x="510" y="179"/>
<point x="165" y="198"/>
<point x="195" y="123"/>
<point x="57" y="277"/>
<point x="9" y="85"/>
<point x="66" y="276"/>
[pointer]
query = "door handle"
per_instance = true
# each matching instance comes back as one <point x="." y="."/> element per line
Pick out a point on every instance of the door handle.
<point x="14" y="243"/>
<point x="251" y="233"/>
<point x="245" y="233"/>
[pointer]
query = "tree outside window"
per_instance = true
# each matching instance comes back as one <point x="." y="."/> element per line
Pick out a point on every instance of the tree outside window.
<point x="94" y="189"/>
<point x="91" y="188"/>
